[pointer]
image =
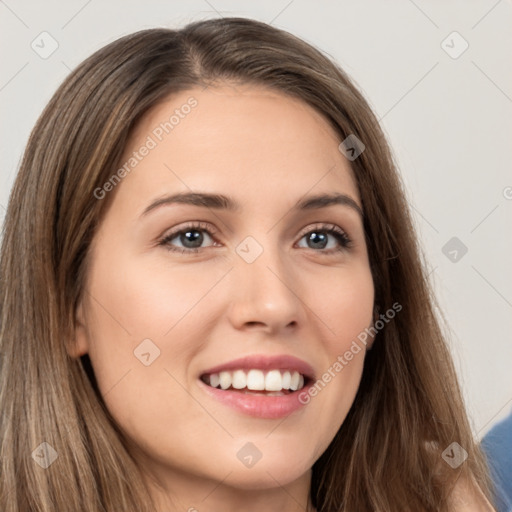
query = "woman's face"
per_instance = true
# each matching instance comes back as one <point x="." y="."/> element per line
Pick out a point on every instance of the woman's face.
<point x="246" y="295"/>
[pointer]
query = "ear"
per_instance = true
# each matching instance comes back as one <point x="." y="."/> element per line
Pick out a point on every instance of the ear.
<point x="79" y="344"/>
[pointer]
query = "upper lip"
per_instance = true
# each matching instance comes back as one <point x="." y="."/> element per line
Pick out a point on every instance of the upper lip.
<point x="265" y="362"/>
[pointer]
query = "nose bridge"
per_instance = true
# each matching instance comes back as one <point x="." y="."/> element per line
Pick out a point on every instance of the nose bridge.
<point x="264" y="285"/>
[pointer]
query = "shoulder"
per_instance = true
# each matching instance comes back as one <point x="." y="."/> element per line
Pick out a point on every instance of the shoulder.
<point x="466" y="496"/>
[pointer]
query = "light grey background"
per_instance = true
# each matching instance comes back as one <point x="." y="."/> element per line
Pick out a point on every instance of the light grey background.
<point x="448" y="120"/>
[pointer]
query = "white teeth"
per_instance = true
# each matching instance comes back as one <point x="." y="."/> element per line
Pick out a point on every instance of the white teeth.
<point x="273" y="381"/>
<point x="225" y="379"/>
<point x="287" y="379"/>
<point x="214" y="380"/>
<point x="239" y="379"/>
<point x="294" y="384"/>
<point x="257" y="380"/>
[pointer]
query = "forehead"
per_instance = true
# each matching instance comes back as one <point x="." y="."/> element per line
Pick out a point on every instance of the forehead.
<point x="252" y="140"/>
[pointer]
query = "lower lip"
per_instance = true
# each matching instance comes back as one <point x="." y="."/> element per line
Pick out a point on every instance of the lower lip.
<point x="259" y="406"/>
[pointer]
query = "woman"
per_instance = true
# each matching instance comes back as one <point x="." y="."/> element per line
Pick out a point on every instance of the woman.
<point x="214" y="297"/>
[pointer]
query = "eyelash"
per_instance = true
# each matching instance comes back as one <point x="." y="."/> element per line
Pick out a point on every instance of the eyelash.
<point x="344" y="241"/>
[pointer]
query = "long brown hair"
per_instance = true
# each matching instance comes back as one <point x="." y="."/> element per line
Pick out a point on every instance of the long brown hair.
<point x="387" y="454"/>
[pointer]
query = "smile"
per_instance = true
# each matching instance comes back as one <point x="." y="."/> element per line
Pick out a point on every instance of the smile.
<point x="261" y="386"/>
<point x="271" y="383"/>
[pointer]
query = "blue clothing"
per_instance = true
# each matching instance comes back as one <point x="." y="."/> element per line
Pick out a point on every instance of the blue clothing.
<point x="497" y="445"/>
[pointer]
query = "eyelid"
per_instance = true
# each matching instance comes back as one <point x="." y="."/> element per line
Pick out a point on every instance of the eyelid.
<point x="344" y="240"/>
<point x="192" y="225"/>
<point x="199" y="225"/>
<point x="322" y="226"/>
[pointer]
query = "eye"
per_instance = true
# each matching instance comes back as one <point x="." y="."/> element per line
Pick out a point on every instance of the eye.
<point x="191" y="237"/>
<point x="318" y="238"/>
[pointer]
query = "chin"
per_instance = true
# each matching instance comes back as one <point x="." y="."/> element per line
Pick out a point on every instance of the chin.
<point x="261" y="480"/>
<point x="268" y="474"/>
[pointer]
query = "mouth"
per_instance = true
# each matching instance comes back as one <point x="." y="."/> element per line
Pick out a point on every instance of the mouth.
<point x="259" y="386"/>
<point x="274" y="382"/>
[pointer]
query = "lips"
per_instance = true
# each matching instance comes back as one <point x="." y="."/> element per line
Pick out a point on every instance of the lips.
<point x="261" y="386"/>
<point x="260" y="373"/>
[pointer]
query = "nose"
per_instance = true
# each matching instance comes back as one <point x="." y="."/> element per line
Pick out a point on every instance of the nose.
<point x="264" y="294"/>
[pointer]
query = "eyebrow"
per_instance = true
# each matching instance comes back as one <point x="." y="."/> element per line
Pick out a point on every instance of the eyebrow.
<point x="222" y="202"/>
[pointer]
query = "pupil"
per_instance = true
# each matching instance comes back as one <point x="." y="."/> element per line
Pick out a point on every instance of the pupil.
<point x="315" y="238"/>
<point x="193" y="236"/>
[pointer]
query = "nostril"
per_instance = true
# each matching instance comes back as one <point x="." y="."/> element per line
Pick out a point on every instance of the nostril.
<point x="252" y="324"/>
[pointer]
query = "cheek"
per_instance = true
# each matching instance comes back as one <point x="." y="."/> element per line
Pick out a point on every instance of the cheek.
<point x="344" y="309"/>
<point x="343" y="305"/>
<point x="145" y="324"/>
<point x="132" y="302"/>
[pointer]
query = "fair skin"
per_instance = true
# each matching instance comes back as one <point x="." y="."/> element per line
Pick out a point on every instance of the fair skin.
<point x="297" y="298"/>
<point x="203" y="309"/>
